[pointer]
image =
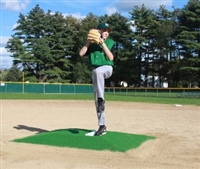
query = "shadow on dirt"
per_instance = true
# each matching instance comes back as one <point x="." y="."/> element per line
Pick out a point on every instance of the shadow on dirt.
<point x="39" y="130"/>
<point x="32" y="129"/>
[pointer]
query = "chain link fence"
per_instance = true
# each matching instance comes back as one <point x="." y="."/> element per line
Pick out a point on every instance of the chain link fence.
<point x="59" y="88"/>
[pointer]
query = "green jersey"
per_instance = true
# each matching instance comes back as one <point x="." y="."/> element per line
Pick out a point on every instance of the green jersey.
<point x="97" y="55"/>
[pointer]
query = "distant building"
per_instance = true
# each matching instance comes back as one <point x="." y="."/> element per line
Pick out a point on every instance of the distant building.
<point x="155" y="82"/>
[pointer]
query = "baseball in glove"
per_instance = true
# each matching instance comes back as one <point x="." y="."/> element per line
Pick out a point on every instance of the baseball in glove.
<point x="94" y="36"/>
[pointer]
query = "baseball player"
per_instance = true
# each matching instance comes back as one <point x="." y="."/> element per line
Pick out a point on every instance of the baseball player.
<point x="101" y="54"/>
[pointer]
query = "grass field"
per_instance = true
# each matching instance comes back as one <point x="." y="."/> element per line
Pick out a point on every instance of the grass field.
<point x="108" y="97"/>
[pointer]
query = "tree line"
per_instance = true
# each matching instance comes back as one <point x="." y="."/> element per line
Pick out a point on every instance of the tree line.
<point x="149" y="43"/>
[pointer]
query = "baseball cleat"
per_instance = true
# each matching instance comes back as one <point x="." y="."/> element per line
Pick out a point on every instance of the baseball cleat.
<point x="100" y="131"/>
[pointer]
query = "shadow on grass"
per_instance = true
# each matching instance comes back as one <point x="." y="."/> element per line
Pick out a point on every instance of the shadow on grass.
<point x="73" y="130"/>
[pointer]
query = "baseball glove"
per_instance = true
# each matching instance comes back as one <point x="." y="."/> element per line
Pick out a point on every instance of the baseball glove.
<point x="94" y="36"/>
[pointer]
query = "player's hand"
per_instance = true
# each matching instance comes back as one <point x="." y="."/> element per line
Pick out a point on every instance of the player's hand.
<point x="101" y="40"/>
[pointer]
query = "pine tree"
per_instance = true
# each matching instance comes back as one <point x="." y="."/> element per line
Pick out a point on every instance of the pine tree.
<point x="189" y="41"/>
<point x="142" y="20"/>
<point x="41" y="44"/>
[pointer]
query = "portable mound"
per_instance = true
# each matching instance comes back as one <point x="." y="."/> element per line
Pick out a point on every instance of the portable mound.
<point x="76" y="138"/>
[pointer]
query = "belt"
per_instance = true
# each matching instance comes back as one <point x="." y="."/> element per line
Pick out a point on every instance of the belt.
<point x="94" y="67"/>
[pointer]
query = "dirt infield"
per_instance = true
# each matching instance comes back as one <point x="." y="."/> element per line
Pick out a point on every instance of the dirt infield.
<point x="177" y="129"/>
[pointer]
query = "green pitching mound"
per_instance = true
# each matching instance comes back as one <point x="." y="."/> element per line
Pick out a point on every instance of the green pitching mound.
<point x="75" y="138"/>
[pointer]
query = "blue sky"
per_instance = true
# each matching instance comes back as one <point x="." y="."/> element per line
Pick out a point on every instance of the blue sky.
<point x="10" y="10"/>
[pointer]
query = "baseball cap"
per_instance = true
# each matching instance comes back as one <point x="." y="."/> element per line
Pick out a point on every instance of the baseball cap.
<point x="103" y="26"/>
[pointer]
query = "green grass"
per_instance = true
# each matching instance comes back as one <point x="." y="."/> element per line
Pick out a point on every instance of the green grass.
<point x="75" y="138"/>
<point x="108" y="97"/>
<point x="34" y="96"/>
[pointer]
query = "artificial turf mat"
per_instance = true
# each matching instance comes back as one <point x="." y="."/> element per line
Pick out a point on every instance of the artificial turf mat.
<point x="75" y="138"/>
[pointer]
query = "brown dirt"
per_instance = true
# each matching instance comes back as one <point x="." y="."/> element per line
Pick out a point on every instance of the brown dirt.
<point x="177" y="129"/>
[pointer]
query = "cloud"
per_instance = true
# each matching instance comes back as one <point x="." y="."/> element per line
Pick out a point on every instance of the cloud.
<point x="4" y="51"/>
<point x="4" y="40"/>
<point x="132" y="27"/>
<point x="11" y="28"/>
<point x="14" y="26"/>
<point x="5" y="59"/>
<point x="76" y="15"/>
<point x="127" y="5"/>
<point x="6" y="62"/>
<point x="14" y="5"/>
<point x="111" y="10"/>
